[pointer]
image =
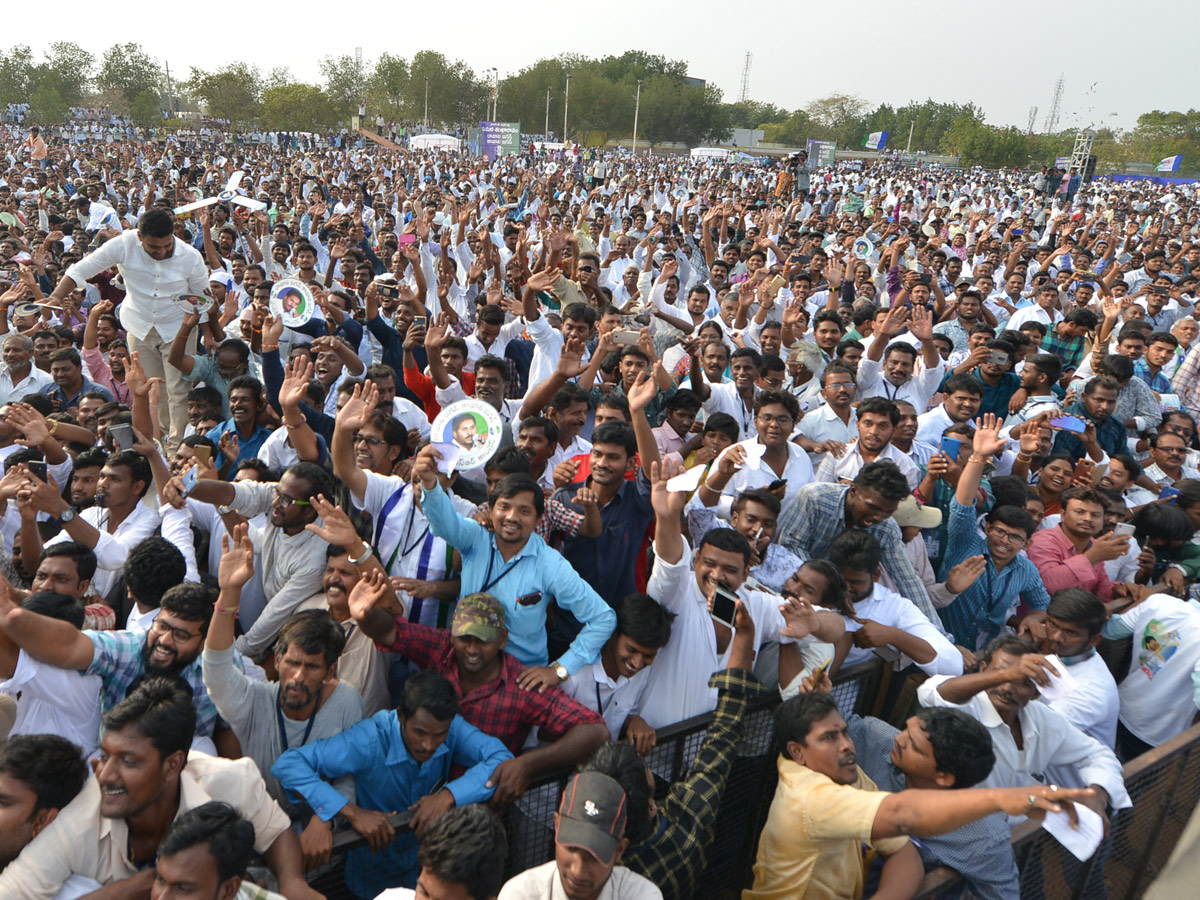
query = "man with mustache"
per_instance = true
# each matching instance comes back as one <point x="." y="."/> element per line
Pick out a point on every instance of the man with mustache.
<point x="307" y="704"/>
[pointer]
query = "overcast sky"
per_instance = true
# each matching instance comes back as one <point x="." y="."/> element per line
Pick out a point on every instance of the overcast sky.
<point x="1003" y="57"/>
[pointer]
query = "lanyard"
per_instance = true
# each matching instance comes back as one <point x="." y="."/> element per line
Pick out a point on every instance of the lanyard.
<point x="279" y="718"/>
<point x="601" y="706"/>
<point x="488" y="580"/>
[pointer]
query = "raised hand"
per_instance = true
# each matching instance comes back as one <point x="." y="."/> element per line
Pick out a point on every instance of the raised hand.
<point x="363" y="400"/>
<point x="987" y="441"/>
<point x="667" y="504"/>
<point x="333" y="525"/>
<point x="237" y="558"/>
<point x="295" y="383"/>
<point x="368" y="593"/>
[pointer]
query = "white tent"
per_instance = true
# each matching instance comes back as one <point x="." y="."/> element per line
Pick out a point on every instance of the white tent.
<point x="709" y="153"/>
<point x="434" y="142"/>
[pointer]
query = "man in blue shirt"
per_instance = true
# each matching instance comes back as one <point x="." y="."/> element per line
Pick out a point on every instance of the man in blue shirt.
<point x="515" y="566"/>
<point x="399" y="760"/>
<point x="66" y="368"/>
<point x="978" y="613"/>
<point x="240" y="436"/>
<point x="1104" y="432"/>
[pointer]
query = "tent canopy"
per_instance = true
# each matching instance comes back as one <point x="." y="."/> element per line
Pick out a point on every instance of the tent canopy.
<point x="434" y="142"/>
<point x="709" y="153"/>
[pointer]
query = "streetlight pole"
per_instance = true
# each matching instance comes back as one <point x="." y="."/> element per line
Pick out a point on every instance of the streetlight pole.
<point x="546" y="130"/>
<point x="426" y="102"/>
<point x="566" y="106"/>
<point x="636" y="109"/>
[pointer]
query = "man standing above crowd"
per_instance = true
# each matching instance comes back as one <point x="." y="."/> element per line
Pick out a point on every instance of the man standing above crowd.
<point x="157" y="267"/>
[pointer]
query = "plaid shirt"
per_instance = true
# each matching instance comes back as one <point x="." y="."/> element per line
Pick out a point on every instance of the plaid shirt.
<point x="674" y="857"/>
<point x="499" y="708"/>
<point x="1068" y="349"/>
<point x="119" y="659"/>
<point x="1158" y="381"/>
<point x="1186" y="381"/>
<point x="817" y="515"/>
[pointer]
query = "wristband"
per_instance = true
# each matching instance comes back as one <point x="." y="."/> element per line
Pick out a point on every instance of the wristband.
<point x="365" y="556"/>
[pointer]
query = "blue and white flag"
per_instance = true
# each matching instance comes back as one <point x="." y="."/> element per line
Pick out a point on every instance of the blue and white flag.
<point x="1170" y="164"/>
<point x="876" y="140"/>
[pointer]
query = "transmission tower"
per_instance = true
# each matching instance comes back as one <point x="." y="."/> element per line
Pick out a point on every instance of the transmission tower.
<point x="744" y="97"/>
<point x="1032" y="118"/>
<point x="1055" y="106"/>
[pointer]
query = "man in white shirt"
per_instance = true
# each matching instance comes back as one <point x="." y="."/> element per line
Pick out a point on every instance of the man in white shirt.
<point x="831" y="426"/>
<point x="41" y="774"/>
<point x="156" y="267"/>
<point x="683" y="581"/>
<point x="51" y="700"/>
<point x="1070" y="628"/>
<point x="963" y="394"/>
<point x="876" y="421"/>
<point x="889" y="368"/>
<point x="19" y="375"/>
<point x="1000" y="695"/>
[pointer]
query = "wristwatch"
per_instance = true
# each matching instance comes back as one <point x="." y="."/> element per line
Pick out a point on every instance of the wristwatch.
<point x="561" y="671"/>
<point x="67" y="515"/>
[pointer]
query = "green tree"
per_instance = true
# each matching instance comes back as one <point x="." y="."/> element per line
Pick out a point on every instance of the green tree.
<point x="298" y="107"/>
<point x="68" y="68"/>
<point x="146" y="110"/>
<point x="47" y="105"/>
<point x="16" y="73"/>
<point x="753" y="114"/>
<point x="231" y="94"/>
<point x="345" y="82"/>
<point x="386" y="86"/>
<point x="839" y="117"/>
<point x="793" y="131"/>
<point x="126" y="71"/>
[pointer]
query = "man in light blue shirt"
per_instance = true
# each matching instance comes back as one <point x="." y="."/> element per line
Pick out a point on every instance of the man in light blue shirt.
<point x="515" y="565"/>
<point x="399" y="760"/>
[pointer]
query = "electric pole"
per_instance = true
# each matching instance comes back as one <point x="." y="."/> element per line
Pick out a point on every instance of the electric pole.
<point x="636" y="109"/>
<point x="566" y="106"/>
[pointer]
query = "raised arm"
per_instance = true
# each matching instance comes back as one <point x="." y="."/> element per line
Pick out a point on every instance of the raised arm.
<point x="47" y="640"/>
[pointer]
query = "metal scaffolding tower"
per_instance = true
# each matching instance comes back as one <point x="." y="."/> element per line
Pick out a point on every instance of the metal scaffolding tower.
<point x="1055" y="106"/>
<point x="744" y="96"/>
<point x="1082" y="149"/>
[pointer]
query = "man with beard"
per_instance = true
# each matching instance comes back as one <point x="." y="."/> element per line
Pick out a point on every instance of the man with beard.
<point x="269" y="718"/>
<point x="85" y="479"/>
<point x="171" y="647"/>
<point x="145" y="778"/>
<point x="241" y="436"/>
<point x="293" y="557"/>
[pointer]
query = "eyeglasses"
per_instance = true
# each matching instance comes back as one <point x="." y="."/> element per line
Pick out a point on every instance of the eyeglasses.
<point x="181" y="635"/>
<point x="286" y="500"/>
<point x="1007" y="537"/>
<point x="1173" y="451"/>
<point x="587" y="269"/>
<point x="774" y="420"/>
<point x="359" y="436"/>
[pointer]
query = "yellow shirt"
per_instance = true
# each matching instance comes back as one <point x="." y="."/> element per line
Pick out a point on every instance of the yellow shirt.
<point x="816" y="837"/>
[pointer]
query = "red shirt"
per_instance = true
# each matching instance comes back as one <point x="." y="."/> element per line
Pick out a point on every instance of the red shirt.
<point x="499" y="708"/>
<point x="422" y="385"/>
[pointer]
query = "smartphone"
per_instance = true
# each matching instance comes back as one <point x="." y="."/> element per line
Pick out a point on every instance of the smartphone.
<point x="1159" y="289"/>
<point x="1069" y="423"/>
<point x="804" y="259"/>
<point x="950" y="446"/>
<point x="387" y="289"/>
<point x="1168" y="493"/>
<point x="122" y="436"/>
<point x="819" y="672"/>
<point x="626" y="337"/>
<point x="724" y="605"/>
<point x="406" y="239"/>
<point x="998" y="358"/>
<point x="1083" y="468"/>
<point x="202" y="454"/>
<point x="925" y="278"/>
<point x="419" y="321"/>
<point x="1123" y="529"/>
<point x="776" y="484"/>
<point x="37" y="468"/>
<point x="189" y="479"/>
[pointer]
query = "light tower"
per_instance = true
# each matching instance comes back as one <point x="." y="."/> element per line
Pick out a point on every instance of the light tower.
<point x="1032" y="118"/>
<point x="744" y="96"/>
<point x="1055" y="106"/>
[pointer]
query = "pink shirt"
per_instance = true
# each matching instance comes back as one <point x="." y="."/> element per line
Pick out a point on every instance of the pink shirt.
<point x="1061" y="567"/>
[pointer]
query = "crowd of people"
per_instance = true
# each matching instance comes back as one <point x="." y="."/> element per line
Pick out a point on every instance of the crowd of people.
<point x="757" y="425"/>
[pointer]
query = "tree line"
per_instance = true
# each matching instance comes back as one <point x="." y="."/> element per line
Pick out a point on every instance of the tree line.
<point x="603" y="95"/>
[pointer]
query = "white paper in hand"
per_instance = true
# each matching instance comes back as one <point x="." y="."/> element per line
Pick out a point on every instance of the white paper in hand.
<point x="1062" y="684"/>
<point x="1081" y="841"/>
<point x="686" y="482"/>
<point x="450" y="453"/>
<point x="754" y="454"/>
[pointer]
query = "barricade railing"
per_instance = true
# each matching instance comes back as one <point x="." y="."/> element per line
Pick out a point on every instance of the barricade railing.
<point x="1164" y="785"/>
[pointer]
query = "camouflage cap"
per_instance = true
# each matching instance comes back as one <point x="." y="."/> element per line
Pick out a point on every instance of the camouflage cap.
<point x="478" y="615"/>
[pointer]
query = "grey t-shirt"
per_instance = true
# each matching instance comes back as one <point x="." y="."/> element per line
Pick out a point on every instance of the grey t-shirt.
<point x="250" y="706"/>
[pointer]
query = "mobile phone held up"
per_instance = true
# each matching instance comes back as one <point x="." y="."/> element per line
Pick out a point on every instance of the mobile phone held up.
<point x="950" y="446"/>
<point x="1069" y="423"/>
<point x="724" y="604"/>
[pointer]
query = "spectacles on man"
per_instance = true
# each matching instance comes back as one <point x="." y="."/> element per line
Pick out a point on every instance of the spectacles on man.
<point x="180" y="635"/>
<point x="286" y="500"/>
<point x="371" y="441"/>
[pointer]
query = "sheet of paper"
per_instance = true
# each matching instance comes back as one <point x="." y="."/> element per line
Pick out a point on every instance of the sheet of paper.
<point x="450" y="453"/>
<point x="754" y="454"/>
<point x="1060" y="685"/>
<point x="1081" y="841"/>
<point x="686" y="482"/>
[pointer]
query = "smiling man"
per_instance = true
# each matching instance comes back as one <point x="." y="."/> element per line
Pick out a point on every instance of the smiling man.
<point x="240" y="437"/>
<point x="144" y="779"/>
